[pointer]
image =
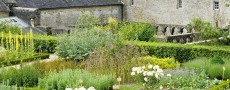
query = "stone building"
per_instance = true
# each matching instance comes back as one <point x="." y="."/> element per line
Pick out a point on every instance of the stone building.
<point x="4" y="10"/>
<point x="64" y="13"/>
<point x="178" y="12"/>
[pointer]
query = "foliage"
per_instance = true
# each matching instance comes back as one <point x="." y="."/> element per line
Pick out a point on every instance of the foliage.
<point x="114" y="59"/>
<point x="54" y="66"/>
<point x="6" y="86"/>
<point x="45" y="44"/>
<point x="182" y="78"/>
<point x="70" y="78"/>
<point x="29" y="59"/>
<point x="205" y="29"/>
<point x="6" y="26"/>
<point x="26" y="76"/>
<point x="165" y="63"/>
<point x="16" y="46"/>
<point x="213" y="70"/>
<point x="78" y="44"/>
<point x="222" y="86"/>
<point x="2" y="54"/>
<point x="149" y="75"/>
<point x="87" y="21"/>
<point x="182" y="52"/>
<point x="217" y="60"/>
<point x="137" y="31"/>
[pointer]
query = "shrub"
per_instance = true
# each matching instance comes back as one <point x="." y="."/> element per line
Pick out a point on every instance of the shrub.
<point x="212" y="69"/>
<point x="222" y="86"/>
<point x="6" y="26"/>
<point x="165" y="63"/>
<point x="2" y="54"/>
<point x="26" y="76"/>
<point x="137" y="31"/>
<point x="182" y="52"/>
<point x="78" y="44"/>
<point x="184" y="78"/>
<point x="70" y="78"/>
<point x="45" y="44"/>
<point x="113" y="59"/>
<point x="205" y="29"/>
<point x="217" y="60"/>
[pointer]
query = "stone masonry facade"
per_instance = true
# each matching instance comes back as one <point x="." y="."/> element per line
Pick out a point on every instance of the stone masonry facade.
<point x="177" y="12"/>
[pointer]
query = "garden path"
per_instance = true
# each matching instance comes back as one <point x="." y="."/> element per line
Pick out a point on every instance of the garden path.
<point x="52" y="57"/>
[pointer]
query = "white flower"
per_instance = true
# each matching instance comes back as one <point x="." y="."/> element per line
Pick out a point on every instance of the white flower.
<point x="150" y="66"/>
<point x="156" y="75"/>
<point x="144" y="73"/>
<point x="156" y="67"/>
<point x="119" y="79"/>
<point x="169" y="75"/>
<point x="133" y="73"/>
<point x="68" y="89"/>
<point x="161" y="87"/>
<point x="150" y="73"/>
<point x="159" y="71"/>
<point x="82" y="88"/>
<point x="134" y="69"/>
<point x="75" y="88"/>
<point x="146" y="79"/>
<point x="91" y="88"/>
<point x="143" y="67"/>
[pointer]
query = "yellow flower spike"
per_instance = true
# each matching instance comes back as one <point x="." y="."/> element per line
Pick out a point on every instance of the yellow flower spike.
<point x="2" y="40"/>
<point x="21" y="35"/>
<point x="10" y="40"/>
<point x="17" y="44"/>
<point x="31" y="34"/>
<point x="21" y="31"/>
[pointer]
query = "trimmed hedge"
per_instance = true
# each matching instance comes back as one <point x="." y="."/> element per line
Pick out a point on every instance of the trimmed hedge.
<point x="35" y="57"/>
<point x="45" y="44"/>
<point x="222" y="86"/>
<point x="182" y="52"/>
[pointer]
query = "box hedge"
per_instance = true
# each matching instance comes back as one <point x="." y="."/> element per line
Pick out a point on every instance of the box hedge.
<point x="182" y="52"/>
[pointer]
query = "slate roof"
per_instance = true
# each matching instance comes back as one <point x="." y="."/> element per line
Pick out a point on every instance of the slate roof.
<point x="3" y="7"/>
<point x="51" y="4"/>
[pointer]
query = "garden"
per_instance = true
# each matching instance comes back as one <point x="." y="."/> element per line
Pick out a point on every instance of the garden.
<point x="115" y="56"/>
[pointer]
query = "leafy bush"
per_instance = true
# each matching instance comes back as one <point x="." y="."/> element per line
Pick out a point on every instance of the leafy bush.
<point x="184" y="78"/>
<point x="115" y="60"/>
<point x="222" y="86"/>
<point x="217" y="60"/>
<point x="87" y="21"/>
<point x="205" y="29"/>
<point x="45" y="44"/>
<point x="165" y="63"/>
<point x="70" y="78"/>
<point x="182" y="52"/>
<point x="2" y="54"/>
<point x="212" y="69"/>
<point x="26" y="76"/>
<point x="137" y="31"/>
<point x="78" y="44"/>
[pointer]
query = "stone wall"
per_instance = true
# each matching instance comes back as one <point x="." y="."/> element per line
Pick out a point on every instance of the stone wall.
<point x="167" y="11"/>
<point x="4" y="14"/>
<point x="69" y="16"/>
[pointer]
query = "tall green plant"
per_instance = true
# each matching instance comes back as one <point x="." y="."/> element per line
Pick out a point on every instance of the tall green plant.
<point x="206" y="30"/>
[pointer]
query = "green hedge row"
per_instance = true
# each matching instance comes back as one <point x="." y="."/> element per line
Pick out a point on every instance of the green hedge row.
<point x="223" y="86"/>
<point x="182" y="52"/>
<point x="35" y="57"/>
<point x="45" y="44"/>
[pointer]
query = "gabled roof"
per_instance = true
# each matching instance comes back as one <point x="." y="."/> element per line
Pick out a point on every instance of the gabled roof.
<point x="52" y="4"/>
<point x="3" y="7"/>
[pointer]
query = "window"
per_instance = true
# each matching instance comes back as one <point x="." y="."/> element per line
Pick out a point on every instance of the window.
<point x="131" y="2"/>
<point x="216" y="5"/>
<point x="179" y="3"/>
